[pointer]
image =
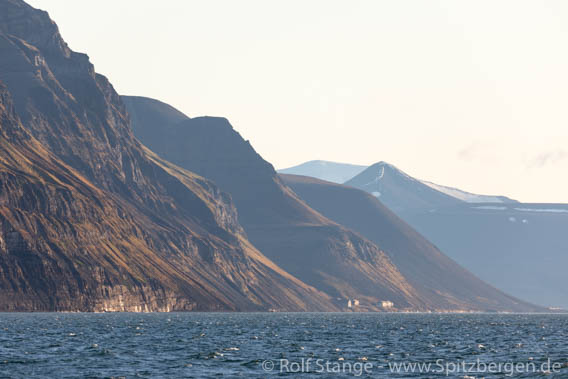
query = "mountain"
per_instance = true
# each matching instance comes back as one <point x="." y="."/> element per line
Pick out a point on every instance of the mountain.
<point x="317" y="250"/>
<point x="518" y="248"/>
<point x="331" y="171"/>
<point x="468" y="197"/>
<point x="336" y="172"/>
<point x="399" y="191"/>
<point x="90" y="219"/>
<point x="153" y="113"/>
<point x="298" y="239"/>
<point x="427" y="269"/>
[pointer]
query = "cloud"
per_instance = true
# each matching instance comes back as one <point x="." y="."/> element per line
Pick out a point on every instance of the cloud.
<point x="548" y="158"/>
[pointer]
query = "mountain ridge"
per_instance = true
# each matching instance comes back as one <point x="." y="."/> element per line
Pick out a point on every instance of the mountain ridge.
<point x="93" y="220"/>
<point x="130" y="231"/>
<point x="312" y="247"/>
<point x="282" y="226"/>
<point x="338" y="172"/>
<point x="427" y="268"/>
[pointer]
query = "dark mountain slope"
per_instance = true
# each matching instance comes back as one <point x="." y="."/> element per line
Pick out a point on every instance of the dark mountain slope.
<point x="92" y="220"/>
<point x="46" y="209"/>
<point x="299" y="239"/>
<point x="427" y="269"/>
<point x="156" y="112"/>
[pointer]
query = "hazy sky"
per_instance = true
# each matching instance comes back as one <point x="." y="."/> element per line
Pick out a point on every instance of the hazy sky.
<point x="472" y="94"/>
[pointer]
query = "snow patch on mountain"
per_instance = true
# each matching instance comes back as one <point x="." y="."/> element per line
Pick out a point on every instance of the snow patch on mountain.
<point x="491" y="208"/>
<point x="542" y="210"/>
<point x="381" y="172"/>
<point x="468" y="197"/>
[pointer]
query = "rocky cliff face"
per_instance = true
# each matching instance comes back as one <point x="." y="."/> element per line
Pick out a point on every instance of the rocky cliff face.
<point x="92" y="220"/>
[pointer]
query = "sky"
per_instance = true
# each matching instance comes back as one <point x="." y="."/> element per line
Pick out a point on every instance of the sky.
<point x="471" y="94"/>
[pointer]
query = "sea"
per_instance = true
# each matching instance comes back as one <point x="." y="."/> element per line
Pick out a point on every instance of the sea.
<point x="261" y="345"/>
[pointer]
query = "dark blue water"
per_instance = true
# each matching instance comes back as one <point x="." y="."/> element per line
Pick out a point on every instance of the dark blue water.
<point x="260" y="345"/>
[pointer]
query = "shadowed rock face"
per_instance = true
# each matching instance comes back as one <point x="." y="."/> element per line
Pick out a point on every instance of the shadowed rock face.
<point x="92" y="220"/>
<point x="299" y="239"/>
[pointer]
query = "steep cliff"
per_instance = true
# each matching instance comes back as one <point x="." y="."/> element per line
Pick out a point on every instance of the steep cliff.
<point x="92" y="220"/>
<point x="300" y="240"/>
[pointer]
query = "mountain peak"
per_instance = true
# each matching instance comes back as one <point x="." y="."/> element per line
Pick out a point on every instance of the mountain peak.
<point x="386" y="165"/>
<point x="32" y="25"/>
<point x="398" y="190"/>
<point x="382" y="163"/>
<point x="383" y="168"/>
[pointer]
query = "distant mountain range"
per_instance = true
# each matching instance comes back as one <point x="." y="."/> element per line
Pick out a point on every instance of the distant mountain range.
<point x="336" y="172"/>
<point x="331" y="171"/>
<point x="519" y="248"/>
<point x="193" y="219"/>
